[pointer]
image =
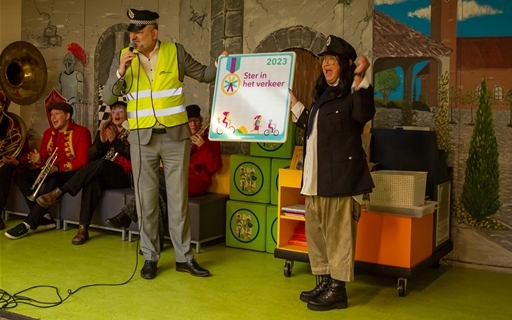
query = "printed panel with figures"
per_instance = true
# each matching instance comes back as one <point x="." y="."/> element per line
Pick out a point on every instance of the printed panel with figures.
<point x="251" y="99"/>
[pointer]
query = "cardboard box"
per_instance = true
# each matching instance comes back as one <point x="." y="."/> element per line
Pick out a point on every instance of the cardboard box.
<point x="246" y="225"/>
<point x="271" y="232"/>
<point x="275" y="150"/>
<point x="250" y="178"/>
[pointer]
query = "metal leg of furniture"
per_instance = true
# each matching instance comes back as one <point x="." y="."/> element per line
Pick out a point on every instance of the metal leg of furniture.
<point x="198" y="245"/>
<point x="402" y="286"/>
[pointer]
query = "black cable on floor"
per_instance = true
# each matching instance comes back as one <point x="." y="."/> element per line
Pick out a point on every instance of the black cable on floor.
<point x="8" y="301"/>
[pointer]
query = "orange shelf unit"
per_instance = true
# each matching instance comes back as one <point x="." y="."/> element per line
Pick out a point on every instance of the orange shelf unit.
<point x="393" y="240"/>
<point x="289" y="194"/>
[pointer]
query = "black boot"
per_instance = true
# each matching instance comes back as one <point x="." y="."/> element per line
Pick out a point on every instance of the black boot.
<point x="120" y="221"/>
<point x="321" y="286"/>
<point x="334" y="297"/>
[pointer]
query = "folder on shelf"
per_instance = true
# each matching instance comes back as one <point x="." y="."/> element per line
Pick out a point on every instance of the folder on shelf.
<point x="298" y="243"/>
<point x="293" y="214"/>
<point x="298" y="208"/>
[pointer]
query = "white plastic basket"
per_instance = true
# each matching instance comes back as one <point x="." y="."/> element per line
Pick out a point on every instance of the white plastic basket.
<point x="408" y="211"/>
<point x="404" y="188"/>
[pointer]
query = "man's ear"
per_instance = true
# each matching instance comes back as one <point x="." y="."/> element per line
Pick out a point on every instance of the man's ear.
<point x="350" y="62"/>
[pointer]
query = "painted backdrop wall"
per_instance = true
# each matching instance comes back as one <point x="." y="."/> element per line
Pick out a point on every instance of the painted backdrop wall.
<point x="481" y="43"/>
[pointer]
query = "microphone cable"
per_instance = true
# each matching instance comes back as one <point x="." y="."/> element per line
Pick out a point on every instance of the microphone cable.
<point x="8" y="301"/>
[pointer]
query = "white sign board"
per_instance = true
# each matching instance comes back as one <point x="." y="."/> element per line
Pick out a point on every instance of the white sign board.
<point x="251" y="101"/>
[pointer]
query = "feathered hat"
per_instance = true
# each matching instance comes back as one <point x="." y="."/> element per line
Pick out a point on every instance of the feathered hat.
<point x="78" y="52"/>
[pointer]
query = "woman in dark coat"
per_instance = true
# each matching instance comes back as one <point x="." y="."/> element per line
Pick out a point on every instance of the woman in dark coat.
<point x="335" y="173"/>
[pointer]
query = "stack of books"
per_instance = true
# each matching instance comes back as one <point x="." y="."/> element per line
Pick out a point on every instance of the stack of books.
<point x="299" y="235"/>
<point x="294" y="210"/>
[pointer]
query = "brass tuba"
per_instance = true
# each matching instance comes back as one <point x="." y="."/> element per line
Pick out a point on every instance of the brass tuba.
<point x="15" y="136"/>
<point x="23" y="78"/>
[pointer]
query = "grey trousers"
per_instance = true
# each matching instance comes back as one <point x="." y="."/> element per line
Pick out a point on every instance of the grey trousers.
<point x="175" y="157"/>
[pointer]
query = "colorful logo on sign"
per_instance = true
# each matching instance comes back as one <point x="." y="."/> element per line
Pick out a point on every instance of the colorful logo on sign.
<point x="231" y="82"/>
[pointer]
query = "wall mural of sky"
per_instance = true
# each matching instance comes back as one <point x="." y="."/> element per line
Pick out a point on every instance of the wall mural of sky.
<point x="476" y="18"/>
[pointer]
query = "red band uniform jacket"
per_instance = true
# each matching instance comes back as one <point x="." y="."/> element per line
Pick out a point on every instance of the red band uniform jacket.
<point x="73" y="145"/>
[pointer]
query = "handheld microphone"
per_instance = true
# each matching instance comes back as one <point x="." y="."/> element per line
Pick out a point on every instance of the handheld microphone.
<point x="131" y="46"/>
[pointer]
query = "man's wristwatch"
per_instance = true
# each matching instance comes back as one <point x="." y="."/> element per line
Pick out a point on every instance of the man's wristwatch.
<point x="361" y="74"/>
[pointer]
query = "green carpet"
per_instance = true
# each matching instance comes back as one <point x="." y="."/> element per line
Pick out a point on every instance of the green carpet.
<point x="244" y="285"/>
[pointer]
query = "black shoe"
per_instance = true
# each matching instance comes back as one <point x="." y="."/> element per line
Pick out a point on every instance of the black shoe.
<point x="193" y="268"/>
<point x="321" y="286"/>
<point x="121" y="221"/>
<point x="2" y="224"/>
<point x="17" y="232"/>
<point x="46" y="224"/>
<point x="332" y="298"/>
<point x="148" y="271"/>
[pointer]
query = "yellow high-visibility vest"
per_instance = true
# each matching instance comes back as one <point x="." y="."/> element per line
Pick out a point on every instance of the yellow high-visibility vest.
<point x="162" y="101"/>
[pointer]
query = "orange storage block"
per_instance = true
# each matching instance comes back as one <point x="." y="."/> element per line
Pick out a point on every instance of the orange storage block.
<point x="394" y="240"/>
<point x="221" y="179"/>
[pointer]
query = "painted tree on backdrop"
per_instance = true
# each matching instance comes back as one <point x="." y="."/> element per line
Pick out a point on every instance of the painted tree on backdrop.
<point x="454" y="98"/>
<point x="470" y="98"/>
<point x="508" y="100"/>
<point x="443" y="129"/>
<point x="480" y="192"/>
<point x="386" y="81"/>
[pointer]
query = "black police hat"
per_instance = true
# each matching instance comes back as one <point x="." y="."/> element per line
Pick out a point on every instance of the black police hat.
<point x="339" y="47"/>
<point x="140" y="18"/>
<point x="193" y="111"/>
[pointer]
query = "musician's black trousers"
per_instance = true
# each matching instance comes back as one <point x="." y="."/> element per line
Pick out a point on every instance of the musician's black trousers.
<point x="25" y="180"/>
<point x="7" y="172"/>
<point x="92" y="179"/>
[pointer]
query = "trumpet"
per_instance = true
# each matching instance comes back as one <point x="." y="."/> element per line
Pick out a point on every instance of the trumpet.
<point x="45" y="170"/>
<point x="200" y="132"/>
<point x="112" y="153"/>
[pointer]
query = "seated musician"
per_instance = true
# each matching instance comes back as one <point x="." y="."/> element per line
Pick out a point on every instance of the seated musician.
<point x="10" y="164"/>
<point x="205" y="160"/>
<point x="68" y="142"/>
<point x="109" y="167"/>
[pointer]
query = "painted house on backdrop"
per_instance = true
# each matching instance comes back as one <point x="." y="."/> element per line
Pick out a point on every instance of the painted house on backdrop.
<point x="489" y="57"/>
<point x="397" y="46"/>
